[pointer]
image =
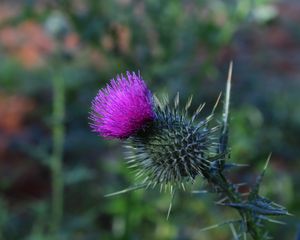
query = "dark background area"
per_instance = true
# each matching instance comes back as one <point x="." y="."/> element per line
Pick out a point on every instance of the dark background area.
<point x="55" y="55"/>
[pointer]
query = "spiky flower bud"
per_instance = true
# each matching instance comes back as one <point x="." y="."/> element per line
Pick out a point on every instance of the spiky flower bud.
<point x="171" y="150"/>
<point x="166" y="147"/>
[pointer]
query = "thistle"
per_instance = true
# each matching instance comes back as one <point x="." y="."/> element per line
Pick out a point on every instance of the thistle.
<point x="168" y="147"/>
<point x="165" y="146"/>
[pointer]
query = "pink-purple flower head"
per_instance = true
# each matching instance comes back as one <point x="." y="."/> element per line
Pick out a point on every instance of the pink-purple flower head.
<point x="122" y="108"/>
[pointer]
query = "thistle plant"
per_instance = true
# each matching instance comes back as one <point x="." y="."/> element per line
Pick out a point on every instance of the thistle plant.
<point x="168" y="147"/>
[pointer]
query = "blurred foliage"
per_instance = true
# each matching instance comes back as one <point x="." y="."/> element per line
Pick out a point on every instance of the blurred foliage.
<point x="181" y="46"/>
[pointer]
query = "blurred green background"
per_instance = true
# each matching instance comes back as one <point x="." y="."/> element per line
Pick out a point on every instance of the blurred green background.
<point x="55" y="55"/>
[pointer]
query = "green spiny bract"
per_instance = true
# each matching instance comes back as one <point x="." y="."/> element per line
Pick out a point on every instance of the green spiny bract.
<point x="173" y="149"/>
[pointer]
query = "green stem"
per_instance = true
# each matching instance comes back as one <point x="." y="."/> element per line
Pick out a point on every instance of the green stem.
<point x="127" y="216"/>
<point x="229" y="191"/>
<point x="58" y="135"/>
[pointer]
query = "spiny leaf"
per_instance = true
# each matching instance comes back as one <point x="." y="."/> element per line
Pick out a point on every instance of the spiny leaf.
<point x="259" y="209"/>
<point x="255" y="190"/>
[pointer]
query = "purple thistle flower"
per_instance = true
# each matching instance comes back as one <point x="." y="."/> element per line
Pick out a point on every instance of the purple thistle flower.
<point x="122" y="108"/>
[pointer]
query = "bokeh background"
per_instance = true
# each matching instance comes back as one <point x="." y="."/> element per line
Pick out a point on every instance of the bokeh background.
<point x="55" y="55"/>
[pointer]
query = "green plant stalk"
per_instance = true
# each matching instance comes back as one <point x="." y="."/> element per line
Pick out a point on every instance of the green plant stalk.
<point x="58" y="135"/>
<point x="127" y="217"/>
<point x="228" y="190"/>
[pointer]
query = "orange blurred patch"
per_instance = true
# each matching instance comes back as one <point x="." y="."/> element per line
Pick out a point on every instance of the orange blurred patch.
<point x="34" y="34"/>
<point x="29" y="56"/>
<point x="107" y="42"/>
<point x="31" y="45"/>
<point x="13" y="109"/>
<point x="123" y="37"/>
<point x="71" y="42"/>
<point x="98" y="59"/>
<point x="9" y="38"/>
<point x="27" y="42"/>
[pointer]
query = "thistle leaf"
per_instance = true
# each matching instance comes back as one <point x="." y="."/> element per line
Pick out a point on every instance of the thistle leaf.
<point x="255" y="190"/>
<point x="263" y="209"/>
